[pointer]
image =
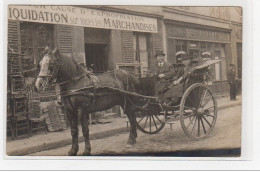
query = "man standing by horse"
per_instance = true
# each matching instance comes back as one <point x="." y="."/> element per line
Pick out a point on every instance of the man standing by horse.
<point x="163" y="72"/>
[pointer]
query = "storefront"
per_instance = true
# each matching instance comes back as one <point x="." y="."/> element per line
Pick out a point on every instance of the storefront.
<point x="201" y="41"/>
<point x="102" y="39"/>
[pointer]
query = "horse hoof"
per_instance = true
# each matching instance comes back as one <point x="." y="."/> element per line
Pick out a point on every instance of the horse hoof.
<point x="129" y="145"/>
<point x="72" y="152"/>
<point x="86" y="153"/>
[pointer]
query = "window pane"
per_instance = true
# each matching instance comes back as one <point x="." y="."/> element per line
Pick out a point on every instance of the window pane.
<point x="223" y="63"/>
<point x="203" y="46"/>
<point x="142" y="42"/>
<point x="194" y="45"/>
<point x="217" y="70"/>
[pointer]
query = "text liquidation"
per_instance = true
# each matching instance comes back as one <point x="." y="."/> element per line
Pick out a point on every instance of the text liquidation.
<point x="37" y="15"/>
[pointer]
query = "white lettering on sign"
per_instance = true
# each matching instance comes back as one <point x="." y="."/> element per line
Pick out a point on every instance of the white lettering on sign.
<point x="69" y="15"/>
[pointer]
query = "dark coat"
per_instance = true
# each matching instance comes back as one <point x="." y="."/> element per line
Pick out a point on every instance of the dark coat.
<point x="177" y="90"/>
<point x="231" y="75"/>
<point x="167" y="69"/>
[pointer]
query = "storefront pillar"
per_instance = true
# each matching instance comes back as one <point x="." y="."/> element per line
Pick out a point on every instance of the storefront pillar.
<point x="78" y="48"/>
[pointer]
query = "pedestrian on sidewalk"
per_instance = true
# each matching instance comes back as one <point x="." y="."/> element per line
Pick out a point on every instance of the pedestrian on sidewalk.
<point x="232" y="81"/>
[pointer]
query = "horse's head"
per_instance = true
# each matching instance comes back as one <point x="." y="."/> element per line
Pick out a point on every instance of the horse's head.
<point x="49" y="68"/>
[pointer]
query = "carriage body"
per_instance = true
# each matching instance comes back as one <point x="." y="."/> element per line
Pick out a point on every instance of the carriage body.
<point x="196" y="109"/>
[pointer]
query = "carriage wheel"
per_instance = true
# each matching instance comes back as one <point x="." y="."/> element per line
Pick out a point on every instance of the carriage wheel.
<point x="150" y="122"/>
<point x="198" y="111"/>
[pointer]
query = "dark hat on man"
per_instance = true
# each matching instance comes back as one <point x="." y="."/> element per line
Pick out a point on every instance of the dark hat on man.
<point x="159" y="52"/>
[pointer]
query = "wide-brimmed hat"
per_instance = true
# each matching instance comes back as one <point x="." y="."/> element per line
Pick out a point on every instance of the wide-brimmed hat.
<point x="159" y="52"/>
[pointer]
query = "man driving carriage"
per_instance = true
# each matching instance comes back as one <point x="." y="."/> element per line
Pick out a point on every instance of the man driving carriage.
<point x="163" y="72"/>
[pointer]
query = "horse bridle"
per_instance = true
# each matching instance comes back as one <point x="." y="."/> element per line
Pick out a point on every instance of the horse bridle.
<point x="56" y="66"/>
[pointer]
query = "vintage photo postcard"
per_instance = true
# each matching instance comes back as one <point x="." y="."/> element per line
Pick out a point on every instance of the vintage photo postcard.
<point x="110" y="80"/>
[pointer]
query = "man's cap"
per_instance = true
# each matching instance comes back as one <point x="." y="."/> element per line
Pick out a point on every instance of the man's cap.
<point x="159" y="52"/>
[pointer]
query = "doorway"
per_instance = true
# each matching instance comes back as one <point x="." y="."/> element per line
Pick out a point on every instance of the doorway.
<point x="96" y="57"/>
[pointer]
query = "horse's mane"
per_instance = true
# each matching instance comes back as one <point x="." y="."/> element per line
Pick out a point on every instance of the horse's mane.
<point x="69" y="67"/>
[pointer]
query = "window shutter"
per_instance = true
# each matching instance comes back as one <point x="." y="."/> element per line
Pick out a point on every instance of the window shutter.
<point x="64" y="39"/>
<point x="171" y="54"/>
<point x="13" y="35"/>
<point x="157" y="38"/>
<point x="157" y="42"/>
<point x="127" y="42"/>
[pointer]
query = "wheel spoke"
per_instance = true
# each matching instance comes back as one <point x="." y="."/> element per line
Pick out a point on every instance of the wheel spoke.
<point x="199" y="126"/>
<point x="204" y="95"/>
<point x="158" y="119"/>
<point x="206" y="103"/>
<point x="211" y="116"/>
<point x="209" y="107"/>
<point x="199" y="95"/>
<point x="155" y="123"/>
<point x="191" y="122"/>
<point x="145" y="121"/>
<point x="194" y="125"/>
<point x="206" y="121"/>
<point x="203" y="126"/>
<point x="141" y="119"/>
<point x="150" y="123"/>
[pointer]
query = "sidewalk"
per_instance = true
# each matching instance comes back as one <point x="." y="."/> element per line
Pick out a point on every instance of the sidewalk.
<point x="42" y="141"/>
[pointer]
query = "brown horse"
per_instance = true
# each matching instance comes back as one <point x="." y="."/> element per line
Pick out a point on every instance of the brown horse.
<point x="83" y="93"/>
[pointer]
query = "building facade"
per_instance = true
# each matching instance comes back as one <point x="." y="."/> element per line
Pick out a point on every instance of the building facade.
<point x="110" y="37"/>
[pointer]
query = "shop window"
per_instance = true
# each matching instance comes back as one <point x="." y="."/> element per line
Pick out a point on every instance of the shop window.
<point x="206" y="50"/>
<point x="34" y="38"/>
<point x="181" y="46"/>
<point x="220" y="68"/>
<point x="141" y="51"/>
<point x="194" y="48"/>
<point x="223" y="62"/>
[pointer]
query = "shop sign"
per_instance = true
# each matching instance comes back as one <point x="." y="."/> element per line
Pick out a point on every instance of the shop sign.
<point x="69" y="15"/>
<point x="196" y="33"/>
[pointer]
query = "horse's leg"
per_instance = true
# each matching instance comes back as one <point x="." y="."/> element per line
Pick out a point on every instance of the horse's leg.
<point x="74" y="133"/>
<point x="133" y="134"/>
<point x="85" y="131"/>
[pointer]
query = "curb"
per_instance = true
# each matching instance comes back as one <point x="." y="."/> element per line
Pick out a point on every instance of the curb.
<point x="97" y="135"/>
<point x="62" y="143"/>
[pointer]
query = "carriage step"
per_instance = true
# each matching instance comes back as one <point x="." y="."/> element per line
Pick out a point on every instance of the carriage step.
<point x="110" y="115"/>
<point x="171" y="123"/>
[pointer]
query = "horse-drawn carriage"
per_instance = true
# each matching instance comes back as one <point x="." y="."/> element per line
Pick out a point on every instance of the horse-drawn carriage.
<point x="196" y="109"/>
<point x="83" y="93"/>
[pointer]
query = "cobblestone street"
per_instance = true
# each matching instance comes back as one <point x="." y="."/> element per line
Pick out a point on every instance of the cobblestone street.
<point x="225" y="135"/>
